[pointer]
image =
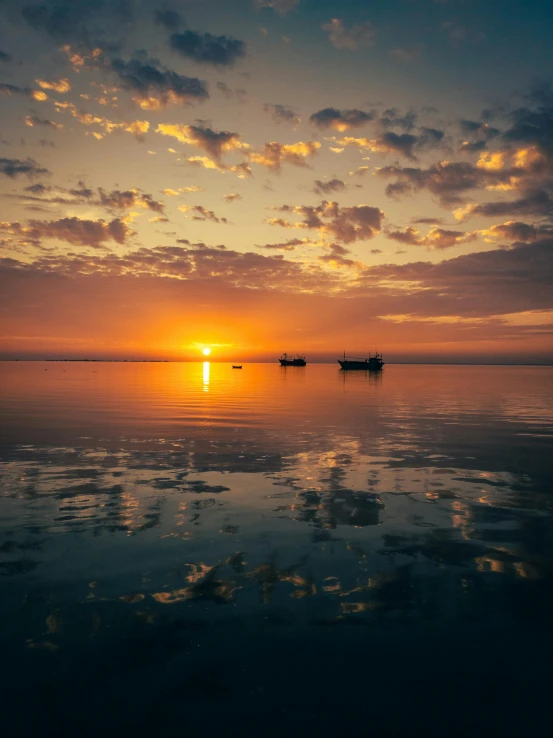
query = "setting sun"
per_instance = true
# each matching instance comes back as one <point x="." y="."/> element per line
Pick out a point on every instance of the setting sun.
<point x="206" y="351"/>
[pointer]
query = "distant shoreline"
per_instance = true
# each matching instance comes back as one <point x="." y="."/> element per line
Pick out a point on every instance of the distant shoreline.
<point x="311" y="363"/>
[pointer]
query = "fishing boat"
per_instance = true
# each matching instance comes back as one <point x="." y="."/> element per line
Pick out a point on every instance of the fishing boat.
<point x="234" y="366"/>
<point x="286" y="360"/>
<point x="372" y="363"/>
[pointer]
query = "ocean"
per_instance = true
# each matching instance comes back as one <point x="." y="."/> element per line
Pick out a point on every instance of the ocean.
<point x="276" y="551"/>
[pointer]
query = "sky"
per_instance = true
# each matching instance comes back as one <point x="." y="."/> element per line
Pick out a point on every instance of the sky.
<point x="261" y="176"/>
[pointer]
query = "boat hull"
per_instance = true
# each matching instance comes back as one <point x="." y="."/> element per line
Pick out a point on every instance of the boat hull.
<point x="293" y="362"/>
<point x="371" y="365"/>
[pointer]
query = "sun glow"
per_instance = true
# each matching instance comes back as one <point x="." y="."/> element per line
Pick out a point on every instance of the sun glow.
<point x="206" y="351"/>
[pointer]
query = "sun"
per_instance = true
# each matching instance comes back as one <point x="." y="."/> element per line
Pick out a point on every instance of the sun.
<point x="206" y="351"/>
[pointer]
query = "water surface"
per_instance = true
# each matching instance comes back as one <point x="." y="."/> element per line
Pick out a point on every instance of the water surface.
<point x="272" y="551"/>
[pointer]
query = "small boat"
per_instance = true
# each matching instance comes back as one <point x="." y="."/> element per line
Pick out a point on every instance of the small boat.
<point x="237" y="367"/>
<point x="286" y="360"/>
<point x="372" y="364"/>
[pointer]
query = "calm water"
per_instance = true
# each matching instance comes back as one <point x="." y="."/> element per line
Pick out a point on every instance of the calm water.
<point x="272" y="551"/>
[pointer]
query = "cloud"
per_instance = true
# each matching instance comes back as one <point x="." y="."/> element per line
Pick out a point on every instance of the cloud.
<point x="191" y="188"/>
<point x="428" y="221"/>
<point x="336" y="256"/>
<point x="274" y="154"/>
<point x="207" y="49"/>
<point x="472" y="147"/>
<point x="168" y="19"/>
<point x="437" y="238"/>
<point x="360" y="171"/>
<point x="199" y="212"/>
<point x="239" y="93"/>
<point x="85" y="22"/>
<point x="214" y="143"/>
<point x="5" y="57"/>
<point x="360" y="34"/>
<point x="478" y="129"/>
<point x="32" y="121"/>
<point x="406" y="144"/>
<point x="514" y="230"/>
<point x="289" y="245"/>
<point x="197" y="263"/>
<point x="347" y="224"/>
<point x="123" y="200"/>
<point x="73" y="230"/>
<point x="282" y="7"/>
<point x="155" y="86"/>
<point x="393" y="118"/>
<point x="60" y="85"/>
<point x="8" y="89"/>
<point x="538" y="203"/>
<point x="282" y="113"/>
<point x="446" y="180"/>
<point x="232" y="197"/>
<point x="14" y="167"/>
<point x="325" y="188"/>
<point x="241" y="170"/>
<point x="136" y="127"/>
<point x="340" y="120"/>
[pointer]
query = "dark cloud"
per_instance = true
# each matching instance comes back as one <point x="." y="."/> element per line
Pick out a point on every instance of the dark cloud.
<point x="473" y="147"/>
<point x="393" y="118"/>
<point x="73" y="230"/>
<point x="532" y="126"/>
<point x="340" y="120"/>
<point x="517" y="231"/>
<point x="402" y="143"/>
<point x="337" y="256"/>
<point x="7" y="89"/>
<point x="214" y="143"/>
<point x="274" y="154"/>
<point x="538" y="203"/>
<point x="282" y="113"/>
<point x="406" y="144"/>
<point x="199" y="212"/>
<point x="446" y="180"/>
<point x="289" y="245"/>
<point x="14" y="167"/>
<point x="156" y="86"/>
<point x="478" y="129"/>
<point x="238" y="92"/>
<point x="324" y="188"/>
<point x="347" y="224"/>
<point x="123" y="200"/>
<point x="194" y="262"/>
<point x="82" y="22"/>
<point x="436" y="238"/>
<point x="207" y="49"/>
<point x="428" y="221"/>
<point x="34" y="120"/>
<point x="168" y="19"/>
<point x="5" y="57"/>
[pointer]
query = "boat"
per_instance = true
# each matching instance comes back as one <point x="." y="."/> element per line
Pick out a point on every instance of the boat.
<point x="372" y="363"/>
<point x="237" y="367"/>
<point x="286" y="360"/>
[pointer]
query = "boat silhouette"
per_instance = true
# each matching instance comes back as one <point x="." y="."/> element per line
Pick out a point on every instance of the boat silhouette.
<point x="371" y="364"/>
<point x="286" y="360"/>
<point x="234" y="366"/>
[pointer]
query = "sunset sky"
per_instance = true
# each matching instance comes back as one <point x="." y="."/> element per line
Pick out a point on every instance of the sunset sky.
<point x="260" y="176"/>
